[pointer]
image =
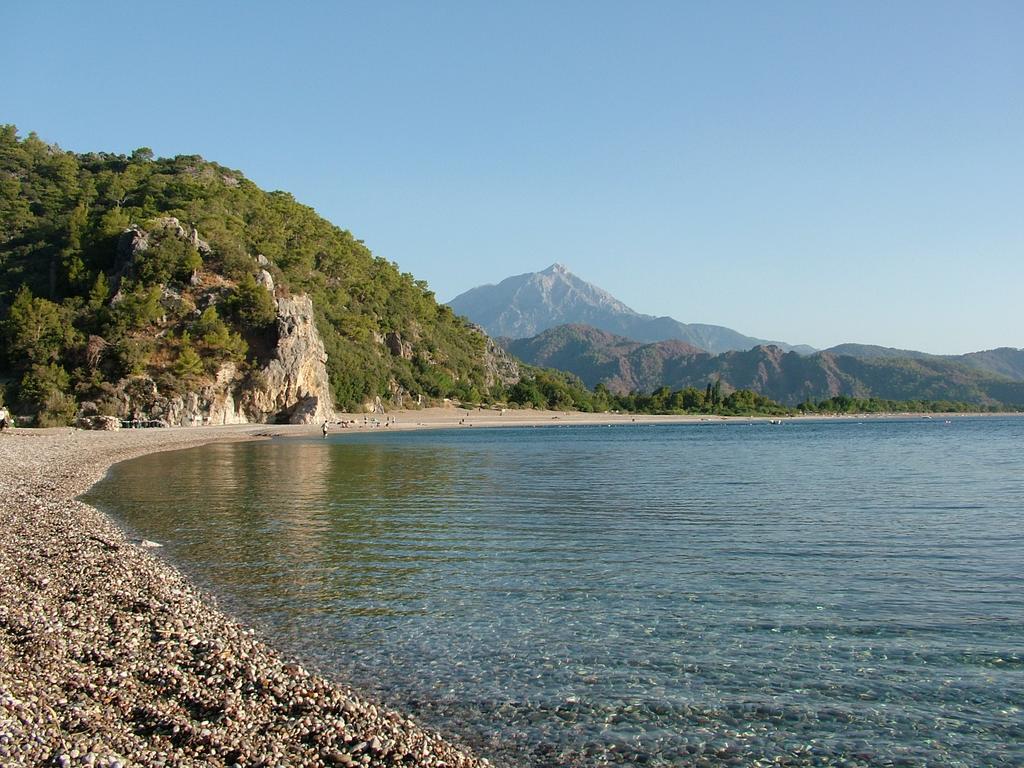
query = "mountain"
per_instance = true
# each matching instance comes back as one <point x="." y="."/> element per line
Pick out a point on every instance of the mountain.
<point x="525" y="305"/>
<point x="175" y="288"/>
<point x="596" y="356"/>
<point x="874" y="352"/>
<point x="1004" y="361"/>
<point x="623" y="365"/>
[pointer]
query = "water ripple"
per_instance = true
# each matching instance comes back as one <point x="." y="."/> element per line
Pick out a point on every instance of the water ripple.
<point x="666" y="596"/>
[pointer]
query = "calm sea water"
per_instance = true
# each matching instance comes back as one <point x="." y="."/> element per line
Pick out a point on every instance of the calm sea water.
<point x="835" y="593"/>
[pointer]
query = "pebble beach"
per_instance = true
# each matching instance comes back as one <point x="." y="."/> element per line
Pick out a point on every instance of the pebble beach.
<point x="110" y="657"/>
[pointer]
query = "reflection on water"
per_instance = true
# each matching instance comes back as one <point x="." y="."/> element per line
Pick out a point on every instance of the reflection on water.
<point x="292" y="527"/>
<point x="813" y="594"/>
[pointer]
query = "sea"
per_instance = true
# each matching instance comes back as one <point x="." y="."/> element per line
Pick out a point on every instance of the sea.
<point x="845" y="592"/>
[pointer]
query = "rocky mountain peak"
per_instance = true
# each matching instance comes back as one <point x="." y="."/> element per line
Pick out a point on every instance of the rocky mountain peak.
<point x="526" y="305"/>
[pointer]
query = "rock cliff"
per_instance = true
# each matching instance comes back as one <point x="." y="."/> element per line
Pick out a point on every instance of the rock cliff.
<point x="499" y="365"/>
<point x="293" y="386"/>
<point x="289" y="383"/>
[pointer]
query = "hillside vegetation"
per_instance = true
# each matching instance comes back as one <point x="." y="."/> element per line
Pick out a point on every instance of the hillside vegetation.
<point x="625" y="366"/>
<point x="83" y="307"/>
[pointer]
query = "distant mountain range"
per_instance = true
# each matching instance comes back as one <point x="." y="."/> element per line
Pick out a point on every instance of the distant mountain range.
<point x="525" y="305"/>
<point x="625" y="365"/>
<point x="1004" y="361"/>
<point x="555" y="319"/>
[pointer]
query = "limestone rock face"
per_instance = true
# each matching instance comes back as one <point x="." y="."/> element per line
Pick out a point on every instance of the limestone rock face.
<point x="265" y="279"/>
<point x="397" y="346"/>
<point x="500" y="366"/>
<point x="213" y="404"/>
<point x="293" y="386"/>
<point x="107" y="423"/>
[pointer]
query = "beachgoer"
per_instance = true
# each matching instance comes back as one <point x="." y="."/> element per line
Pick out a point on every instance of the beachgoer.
<point x="3" y="419"/>
<point x="324" y="428"/>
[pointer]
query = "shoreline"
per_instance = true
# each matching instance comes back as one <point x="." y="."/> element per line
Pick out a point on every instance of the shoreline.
<point x="110" y="657"/>
<point x="453" y="417"/>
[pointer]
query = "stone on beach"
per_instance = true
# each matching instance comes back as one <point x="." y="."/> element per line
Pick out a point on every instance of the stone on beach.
<point x="110" y="657"/>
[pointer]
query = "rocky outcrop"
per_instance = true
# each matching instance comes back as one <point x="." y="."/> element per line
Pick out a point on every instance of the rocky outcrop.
<point x="265" y="279"/>
<point x="500" y="366"/>
<point x="99" y="422"/>
<point x="293" y="386"/>
<point x="190" y="234"/>
<point x="214" y="403"/>
<point x="132" y="242"/>
<point x="398" y="346"/>
<point x="135" y="240"/>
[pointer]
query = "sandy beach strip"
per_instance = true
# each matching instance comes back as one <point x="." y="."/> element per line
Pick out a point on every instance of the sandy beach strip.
<point x="109" y="656"/>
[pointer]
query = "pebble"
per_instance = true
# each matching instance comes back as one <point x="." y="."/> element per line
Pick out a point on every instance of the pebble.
<point x="110" y="657"/>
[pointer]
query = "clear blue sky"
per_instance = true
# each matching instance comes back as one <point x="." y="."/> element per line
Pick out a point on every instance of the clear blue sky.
<point x="816" y="172"/>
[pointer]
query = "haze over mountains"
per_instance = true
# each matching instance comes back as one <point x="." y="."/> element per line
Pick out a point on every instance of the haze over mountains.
<point x="525" y="305"/>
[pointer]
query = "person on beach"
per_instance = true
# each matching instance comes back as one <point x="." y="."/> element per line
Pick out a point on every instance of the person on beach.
<point x="3" y="418"/>
<point x="324" y="428"/>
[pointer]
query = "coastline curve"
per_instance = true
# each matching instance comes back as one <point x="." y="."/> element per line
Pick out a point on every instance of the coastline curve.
<point x="109" y="656"/>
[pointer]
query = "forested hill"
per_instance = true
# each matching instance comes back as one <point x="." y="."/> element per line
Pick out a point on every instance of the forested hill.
<point x="624" y="366"/>
<point x="115" y="266"/>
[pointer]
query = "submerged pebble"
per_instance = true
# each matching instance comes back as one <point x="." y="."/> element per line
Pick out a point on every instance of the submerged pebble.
<point x="109" y="657"/>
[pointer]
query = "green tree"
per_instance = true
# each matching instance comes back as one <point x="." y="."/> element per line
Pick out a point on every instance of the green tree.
<point x="171" y="257"/>
<point x="45" y="387"/>
<point x="217" y="337"/>
<point x="252" y="304"/>
<point x="526" y="392"/>
<point x="189" y="363"/>
<point x="99" y="293"/>
<point x="137" y="308"/>
<point x="37" y="329"/>
<point x="133" y="355"/>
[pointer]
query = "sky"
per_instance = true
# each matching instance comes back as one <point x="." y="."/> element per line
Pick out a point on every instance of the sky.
<point x="810" y="172"/>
